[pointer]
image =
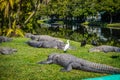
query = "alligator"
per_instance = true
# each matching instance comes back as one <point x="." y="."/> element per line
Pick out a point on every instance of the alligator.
<point x="48" y="38"/>
<point x="5" y="39"/>
<point x="28" y="35"/>
<point x="7" y="50"/>
<point x="70" y="62"/>
<point x="34" y="43"/>
<point x="105" y="48"/>
<point x="44" y="38"/>
<point x="32" y="36"/>
<point x="46" y="44"/>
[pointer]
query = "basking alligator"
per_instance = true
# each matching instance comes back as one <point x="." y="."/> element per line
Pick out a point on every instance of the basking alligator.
<point x="6" y="50"/>
<point x="28" y="35"/>
<point x="34" y="43"/>
<point x="105" y="48"/>
<point x="42" y="37"/>
<point x="5" y="39"/>
<point x="46" y="44"/>
<point x="70" y="62"/>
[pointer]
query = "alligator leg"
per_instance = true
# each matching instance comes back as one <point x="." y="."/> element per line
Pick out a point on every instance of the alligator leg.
<point x="67" y="68"/>
<point x="70" y="66"/>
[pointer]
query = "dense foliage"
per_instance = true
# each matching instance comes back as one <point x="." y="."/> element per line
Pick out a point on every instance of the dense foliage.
<point x="17" y="16"/>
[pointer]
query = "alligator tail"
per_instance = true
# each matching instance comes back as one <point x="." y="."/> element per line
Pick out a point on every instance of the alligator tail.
<point x="102" y="68"/>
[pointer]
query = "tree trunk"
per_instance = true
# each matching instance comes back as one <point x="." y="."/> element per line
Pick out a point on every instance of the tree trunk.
<point x="9" y="20"/>
<point x="33" y="13"/>
<point x="110" y="18"/>
<point x="18" y="12"/>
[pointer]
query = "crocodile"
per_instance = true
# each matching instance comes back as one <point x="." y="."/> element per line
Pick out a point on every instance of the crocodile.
<point x="105" y="48"/>
<point x="7" y="50"/>
<point x="70" y="62"/>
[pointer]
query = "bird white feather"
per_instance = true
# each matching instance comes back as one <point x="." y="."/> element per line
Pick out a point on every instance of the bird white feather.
<point x="66" y="46"/>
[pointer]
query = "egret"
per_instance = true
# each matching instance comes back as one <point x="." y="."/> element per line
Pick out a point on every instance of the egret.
<point x="66" y="46"/>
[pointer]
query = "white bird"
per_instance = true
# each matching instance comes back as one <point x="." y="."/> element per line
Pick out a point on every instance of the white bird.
<point x="66" y="46"/>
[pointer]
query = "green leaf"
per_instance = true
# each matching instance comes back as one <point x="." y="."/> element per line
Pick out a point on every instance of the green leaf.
<point x="9" y="31"/>
<point x="14" y="24"/>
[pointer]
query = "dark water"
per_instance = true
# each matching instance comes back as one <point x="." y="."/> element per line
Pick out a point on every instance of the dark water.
<point x="104" y="34"/>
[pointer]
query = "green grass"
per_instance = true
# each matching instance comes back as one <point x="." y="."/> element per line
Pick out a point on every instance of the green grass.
<point x="22" y="65"/>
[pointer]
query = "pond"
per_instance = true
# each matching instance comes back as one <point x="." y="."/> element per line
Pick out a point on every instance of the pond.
<point x="104" y="34"/>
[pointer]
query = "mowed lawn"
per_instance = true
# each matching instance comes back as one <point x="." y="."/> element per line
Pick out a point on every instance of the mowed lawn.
<point x="22" y="65"/>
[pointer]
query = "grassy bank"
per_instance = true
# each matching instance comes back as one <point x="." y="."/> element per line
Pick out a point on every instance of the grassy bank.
<point x="114" y="25"/>
<point x="22" y="64"/>
<point x="101" y="24"/>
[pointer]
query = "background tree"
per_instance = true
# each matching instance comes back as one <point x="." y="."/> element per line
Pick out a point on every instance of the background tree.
<point x="109" y="6"/>
<point x="17" y="13"/>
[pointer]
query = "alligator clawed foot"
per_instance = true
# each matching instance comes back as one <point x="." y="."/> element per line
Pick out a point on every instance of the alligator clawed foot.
<point x="63" y="70"/>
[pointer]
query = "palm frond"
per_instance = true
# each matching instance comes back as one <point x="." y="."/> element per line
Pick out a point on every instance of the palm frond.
<point x="19" y="32"/>
<point x="3" y="5"/>
<point x="0" y="31"/>
<point x="11" y="3"/>
<point x="7" y="10"/>
<point x="9" y="31"/>
<point x="14" y="24"/>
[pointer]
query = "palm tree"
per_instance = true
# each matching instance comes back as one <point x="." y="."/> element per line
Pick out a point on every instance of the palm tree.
<point x="6" y="6"/>
<point x="36" y="7"/>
